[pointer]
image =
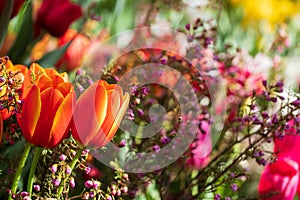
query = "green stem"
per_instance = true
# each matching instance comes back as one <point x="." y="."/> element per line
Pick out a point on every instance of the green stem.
<point x="19" y="170"/>
<point x="72" y="165"/>
<point x="37" y="154"/>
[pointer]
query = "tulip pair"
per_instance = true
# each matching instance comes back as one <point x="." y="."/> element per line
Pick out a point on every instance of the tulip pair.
<point x="280" y="180"/>
<point x="49" y="107"/>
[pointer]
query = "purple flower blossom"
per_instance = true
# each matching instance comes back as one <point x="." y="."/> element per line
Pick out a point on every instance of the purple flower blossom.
<point x="72" y="182"/>
<point x="122" y="143"/>
<point x="234" y="187"/>
<point x="62" y="157"/>
<point x="96" y="184"/>
<point x="68" y="170"/>
<point x="54" y="168"/>
<point x="88" y="184"/>
<point x="85" y="152"/>
<point x="156" y="148"/>
<point x="24" y="193"/>
<point x="92" y="194"/>
<point x="87" y="170"/>
<point x="217" y="197"/>
<point x="164" y="140"/>
<point x="37" y="188"/>
<point x="56" y="182"/>
<point x="108" y="198"/>
<point x="296" y="103"/>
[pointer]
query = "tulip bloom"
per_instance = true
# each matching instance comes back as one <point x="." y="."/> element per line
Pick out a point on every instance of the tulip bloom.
<point x="279" y="181"/>
<point x="73" y="56"/>
<point x="47" y="111"/>
<point x="98" y="113"/>
<point x="55" y="16"/>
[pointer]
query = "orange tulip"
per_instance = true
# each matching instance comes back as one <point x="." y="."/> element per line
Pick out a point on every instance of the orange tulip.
<point x="98" y="114"/>
<point x="47" y="110"/>
<point x="33" y="75"/>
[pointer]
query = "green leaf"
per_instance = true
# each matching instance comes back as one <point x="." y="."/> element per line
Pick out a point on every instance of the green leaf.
<point x="49" y="59"/>
<point x="25" y="35"/>
<point x="4" y="20"/>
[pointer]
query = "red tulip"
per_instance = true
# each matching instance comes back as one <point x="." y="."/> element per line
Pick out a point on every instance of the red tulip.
<point x="98" y="113"/>
<point x="47" y="110"/>
<point x="73" y="56"/>
<point x="279" y="181"/>
<point x="56" y="16"/>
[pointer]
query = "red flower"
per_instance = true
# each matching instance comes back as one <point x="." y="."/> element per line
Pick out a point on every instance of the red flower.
<point x="98" y="113"/>
<point x="73" y="56"/>
<point x="200" y="149"/>
<point x="17" y="5"/>
<point x="47" y="110"/>
<point x="279" y="181"/>
<point x="56" y="16"/>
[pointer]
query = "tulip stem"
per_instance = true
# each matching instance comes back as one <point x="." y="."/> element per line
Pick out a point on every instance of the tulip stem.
<point x="37" y="154"/>
<point x="72" y="165"/>
<point x="19" y="170"/>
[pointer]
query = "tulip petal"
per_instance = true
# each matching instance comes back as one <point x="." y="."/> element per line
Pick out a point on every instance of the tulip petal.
<point x="51" y="71"/>
<point x="62" y="119"/>
<point x="279" y="181"/>
<point x="65" y="88"/>
<point x="44" y="82"/>
<point x="51" y="100"/>
<point x="35" y="72"/>
<point x="114" y="104"/>
<point x="57" y="79"/>
<point x="118" y="119"/>
<point x="30" y="112"/>
<point x="89" y="113"/>
<point x="98" y="141"/>
<point x="102" y="82"/>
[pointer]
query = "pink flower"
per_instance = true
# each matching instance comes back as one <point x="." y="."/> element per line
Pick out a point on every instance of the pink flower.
<point x="279" y="181"/>
<point x="289" y="146"/>
<point x="201" y="147"/>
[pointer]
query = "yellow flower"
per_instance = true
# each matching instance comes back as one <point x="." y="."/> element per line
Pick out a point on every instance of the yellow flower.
<point x="271" y="11"/>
